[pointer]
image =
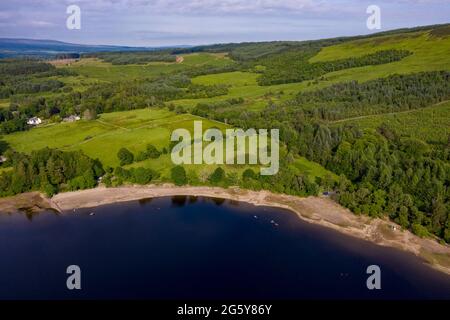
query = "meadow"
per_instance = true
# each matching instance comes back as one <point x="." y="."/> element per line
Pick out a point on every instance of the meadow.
<point x="94" y="68"/>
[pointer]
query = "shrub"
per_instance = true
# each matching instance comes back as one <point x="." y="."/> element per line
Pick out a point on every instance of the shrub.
<point x="142" y="175"/>
<point x="217" y="176"/>
<point x="125" y="156"/>
<point x="249" y="174"/>
<point x="420" y="230"/>
<point x="178" y="175"/>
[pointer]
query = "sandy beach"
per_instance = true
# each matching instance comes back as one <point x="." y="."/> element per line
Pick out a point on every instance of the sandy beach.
<point x="318" y="210"/>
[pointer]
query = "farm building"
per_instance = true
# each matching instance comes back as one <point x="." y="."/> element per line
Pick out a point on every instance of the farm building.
<point x="34" y="121"/>
<point x="71" y="118"/>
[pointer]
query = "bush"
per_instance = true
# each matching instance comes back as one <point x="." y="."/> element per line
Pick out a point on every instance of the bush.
<point x="142" y="175"/>
<point x="121" y="173"/>
<point x="49" y="190"/>
<point x="125" y="156"/>
<point x="217" y="176"/>
<point x="152" y="152"/>
<point x="178" y="175"/>
<point x="249" y="174"/>
<point x="420" y="230"/>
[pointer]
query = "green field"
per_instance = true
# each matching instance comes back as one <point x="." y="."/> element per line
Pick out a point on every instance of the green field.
<point x="78" y="83"/>
<point x="430" y="53"/>
<point x="94" y="68"/>
<point x="105" y="136"/>
<point x="102" y="139"/>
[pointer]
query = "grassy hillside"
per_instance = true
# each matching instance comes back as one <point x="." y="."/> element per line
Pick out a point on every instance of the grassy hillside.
<point x="135" y="129"/>
<point x="430" y="53"/>
<point x="98" y="69"/>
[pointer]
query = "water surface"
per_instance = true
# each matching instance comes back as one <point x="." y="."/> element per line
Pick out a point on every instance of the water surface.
<point x="187" y="248"/>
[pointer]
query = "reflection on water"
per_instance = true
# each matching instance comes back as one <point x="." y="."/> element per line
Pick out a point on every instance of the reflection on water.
<point x="33" y="212"/>
<point x="192" y="199"/>
<point x="145" y="201"/>
<point x="179" y="201"/>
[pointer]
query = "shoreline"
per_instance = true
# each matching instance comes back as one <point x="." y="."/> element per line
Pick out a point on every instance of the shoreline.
<point x="318" y="210"/>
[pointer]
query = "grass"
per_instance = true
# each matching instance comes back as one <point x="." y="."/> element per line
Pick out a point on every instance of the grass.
<point x="97" y="69"/>
<point x="303" y="165"/>
<point x="233" y="79"/>
<point x="430" y="53"/>
<point x="431" y="124"/>
<point x="78" y="83"/>
<point x="104" y="137"/>
<point x="5" y="169"/>
<point x="4" y="103"/>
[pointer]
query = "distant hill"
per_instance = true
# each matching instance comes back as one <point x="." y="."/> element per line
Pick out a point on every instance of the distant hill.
<point x="47" y="48"/>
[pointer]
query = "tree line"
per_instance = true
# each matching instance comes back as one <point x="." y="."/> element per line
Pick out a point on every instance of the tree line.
<point x="391" y="94"/>
<point x="29" y="76"/>
<point x="135" y="57"/>
<point x="49" y="171"/>
<point x="294" y="66"/>
<point x="104" y="97"/>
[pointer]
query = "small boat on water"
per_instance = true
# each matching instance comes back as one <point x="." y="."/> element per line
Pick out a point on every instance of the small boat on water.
<point x="92" y="214"/>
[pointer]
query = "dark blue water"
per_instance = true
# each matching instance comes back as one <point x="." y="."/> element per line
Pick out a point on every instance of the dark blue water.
<point x="183" y="247"/>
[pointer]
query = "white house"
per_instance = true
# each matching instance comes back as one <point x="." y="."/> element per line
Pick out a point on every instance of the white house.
<point x="2" y="159"/>
<point x="34" y="121"/>
<point x="71" y="118"/>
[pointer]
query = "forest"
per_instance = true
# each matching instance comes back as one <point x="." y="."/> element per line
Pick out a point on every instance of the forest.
<point x="392" y="94"/>
<point x="29" y="76"/>
<point x="101" y="98"/>
<point x="379" y="171"/>
<point x="49" y="171"/>
<point x="293" y="66"/>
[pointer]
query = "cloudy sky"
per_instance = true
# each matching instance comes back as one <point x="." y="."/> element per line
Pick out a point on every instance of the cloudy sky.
<point x="170" y="22"/>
